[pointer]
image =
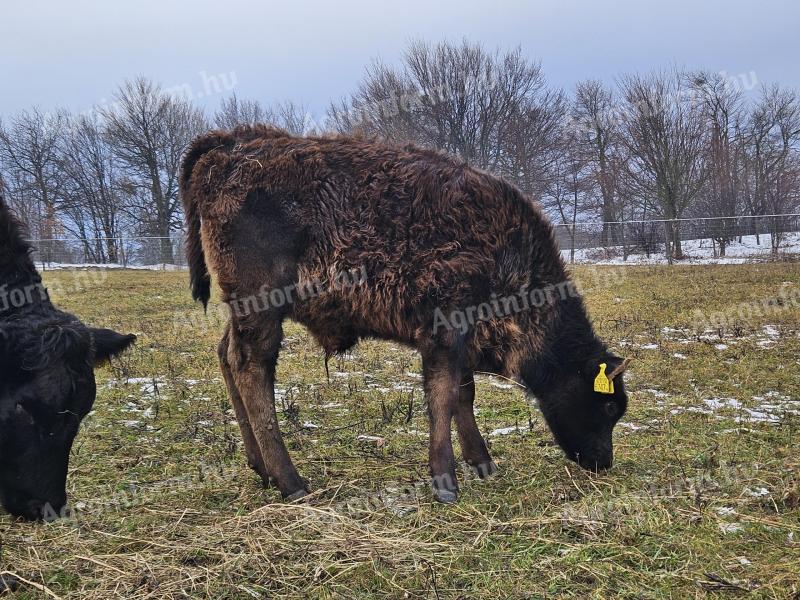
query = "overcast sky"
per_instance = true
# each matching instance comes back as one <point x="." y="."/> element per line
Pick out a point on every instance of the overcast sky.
<point x="74" y="54"/>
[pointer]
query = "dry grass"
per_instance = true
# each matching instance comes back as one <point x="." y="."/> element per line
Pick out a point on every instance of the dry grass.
<point x="701" y="502"/>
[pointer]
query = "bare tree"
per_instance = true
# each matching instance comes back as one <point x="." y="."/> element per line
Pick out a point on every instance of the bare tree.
<point x="569" y="190"/>
<point x="664" y="137"/>
<point x="491" y="109"/>
<point x="29" y="152"/>
<point x="595" y="116"/>
<point x="148" y="131"/>
<point x="233" y="112"/>
<point x="721" y="106"/>
<point x="292" y="116"/>
<point x="532" y="143"/>
<point x="773" y="134"/>
<point x="92" y="196"/>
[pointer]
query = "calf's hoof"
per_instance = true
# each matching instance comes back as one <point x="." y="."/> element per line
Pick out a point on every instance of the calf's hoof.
<point x="485" y="470"/>
<point x="445" y="496"/>
<point x="301" y="493"/>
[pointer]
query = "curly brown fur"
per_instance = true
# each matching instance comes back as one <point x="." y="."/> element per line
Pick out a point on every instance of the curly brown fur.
<point x="434" y="237"/>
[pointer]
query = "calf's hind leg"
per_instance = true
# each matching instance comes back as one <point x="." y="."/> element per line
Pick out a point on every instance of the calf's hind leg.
<point x="253" y="355"/>
<point x="473" y="447"/>
<point x="251" y="447"/>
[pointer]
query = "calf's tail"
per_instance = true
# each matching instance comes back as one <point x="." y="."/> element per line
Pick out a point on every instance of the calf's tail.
<point x="198" y="269"/>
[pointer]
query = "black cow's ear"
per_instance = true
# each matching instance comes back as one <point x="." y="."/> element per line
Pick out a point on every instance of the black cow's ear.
<point x="108" y="343"/>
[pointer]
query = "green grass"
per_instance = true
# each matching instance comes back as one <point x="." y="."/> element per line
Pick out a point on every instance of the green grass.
<point x="697" y="504"/>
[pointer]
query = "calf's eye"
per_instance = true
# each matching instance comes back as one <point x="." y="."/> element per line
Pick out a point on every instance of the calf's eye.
<point x="611" y="409"/>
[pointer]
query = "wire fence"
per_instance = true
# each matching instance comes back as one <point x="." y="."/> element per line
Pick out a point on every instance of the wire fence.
<point x="709" y="239"/>
<point x="706" y="238"/>
<point x="166" y="253"/>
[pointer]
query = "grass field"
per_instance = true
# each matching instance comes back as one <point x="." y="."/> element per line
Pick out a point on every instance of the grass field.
<point x="703" y="500"/>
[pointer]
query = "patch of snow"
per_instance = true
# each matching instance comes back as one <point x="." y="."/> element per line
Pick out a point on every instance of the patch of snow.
<point x="730" y="527"/>
<point x="717" y="403"/>
<point x="770" y="412"/>
<point x="148" y="386"/>
<point x="656" y="393"/>
<point x="403" y="387"/>
<point x="632" y="426"/>
<point x="138" y="380"/>
<point x="331" y="405"/>
<point x="757" y="415"/>
<point x="507" y="430"/>
<point x="502" y="386"/>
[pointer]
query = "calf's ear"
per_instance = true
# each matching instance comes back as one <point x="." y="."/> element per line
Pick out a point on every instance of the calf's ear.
<point x="108" y="343"/>
<point x="617" y="366"/>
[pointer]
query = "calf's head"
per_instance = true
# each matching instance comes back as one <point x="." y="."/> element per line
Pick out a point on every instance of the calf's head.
<point x="581" y="411"/>
<point x="47" y="387"/>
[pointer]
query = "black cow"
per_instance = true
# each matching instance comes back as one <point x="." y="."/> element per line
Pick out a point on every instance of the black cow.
<point x="47" y="385"/>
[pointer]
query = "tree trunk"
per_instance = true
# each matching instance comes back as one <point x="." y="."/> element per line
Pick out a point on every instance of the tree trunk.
<point x="676" y="240"/>
<point x="572" y="245"/>
<point x="668" y="238"/>
<point x="111" y="249"/>
<point x="167" y="256"/>
<point x="624" y="241"/>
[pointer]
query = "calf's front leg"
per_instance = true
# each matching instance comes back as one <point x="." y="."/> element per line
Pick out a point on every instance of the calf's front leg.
<point x="442" y="379"/>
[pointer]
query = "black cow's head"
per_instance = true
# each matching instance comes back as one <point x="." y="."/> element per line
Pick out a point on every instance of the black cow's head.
<point x="582" y="418"/>
<point x="47" y="387"/>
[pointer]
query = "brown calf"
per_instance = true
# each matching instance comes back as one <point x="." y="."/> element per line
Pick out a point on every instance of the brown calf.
<point x="455" y="263"/>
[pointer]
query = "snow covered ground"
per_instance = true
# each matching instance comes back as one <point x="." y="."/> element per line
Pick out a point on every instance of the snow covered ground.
<point x="54" y="266"/>
<point x="698" y="252"/>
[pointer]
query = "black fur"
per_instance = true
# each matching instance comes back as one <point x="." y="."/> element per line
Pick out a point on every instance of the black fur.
<point x="46" y="381"/>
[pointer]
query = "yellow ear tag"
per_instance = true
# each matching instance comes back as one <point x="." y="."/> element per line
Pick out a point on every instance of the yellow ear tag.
<point x="603" y="384"/>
